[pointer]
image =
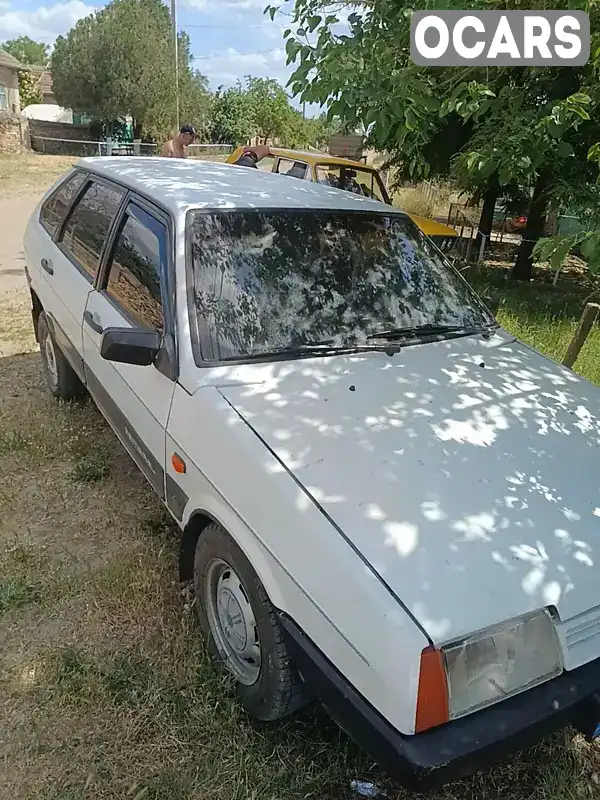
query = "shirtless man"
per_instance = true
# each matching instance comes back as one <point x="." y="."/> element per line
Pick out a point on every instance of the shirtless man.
<point x="178" y="147"/>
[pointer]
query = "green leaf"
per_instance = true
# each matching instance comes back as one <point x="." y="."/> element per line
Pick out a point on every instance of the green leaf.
<point x="556" y="131"/>
<point x="580" y="97"/>
<point x="300" y="32"/>
<point x="287" y="32"/>
<point x="430" y="102"/>
<point x="489" y="166"/>
<point x="546" y="247"/>
<point x="538" y="248"/>
<point x="594" y="152"/>
<point x="471" y="159"/>
<point x="271" y="11"/>
<point x="594" y="263"/>
<point x="564" y="150"/>
<point x="410" y="119"/>
<point x="292" y="48"/>
<point x="560" y="253"/>
<point x="313" y="22"/>
<point x="504" y="175"/>
<point x="582" y="113"/>
<point x="589" y="246"/>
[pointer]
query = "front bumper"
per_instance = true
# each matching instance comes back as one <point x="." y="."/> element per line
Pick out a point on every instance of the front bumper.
<point x="463" y="746"/>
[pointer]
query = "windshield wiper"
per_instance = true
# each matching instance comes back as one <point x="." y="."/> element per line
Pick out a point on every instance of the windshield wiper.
<point x="317" y="349"/>
<point x="429" y="329"/>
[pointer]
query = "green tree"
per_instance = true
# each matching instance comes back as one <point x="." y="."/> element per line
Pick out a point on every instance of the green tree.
<point x="29" y="88"/>
<point x="26" y="51"/>
<point x="490" y="129"/>
<point x="232" y="119"/>
<point x="271" y="109"/>
<point x="303" y="132"/>
<point x="119" y="62"/>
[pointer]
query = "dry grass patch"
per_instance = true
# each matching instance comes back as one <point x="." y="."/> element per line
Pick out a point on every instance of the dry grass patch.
<point x="34" y="172"/>
<point x="31" y="172"/>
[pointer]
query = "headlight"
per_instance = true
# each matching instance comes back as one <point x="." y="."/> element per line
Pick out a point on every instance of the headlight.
<point x="500" y="662"/>
<point x="482" y="669"/>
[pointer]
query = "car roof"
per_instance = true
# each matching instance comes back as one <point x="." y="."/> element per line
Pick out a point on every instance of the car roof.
<point x="179" y="185"/>
<point x="313" y="157"/>
<point x="316" y="157"/>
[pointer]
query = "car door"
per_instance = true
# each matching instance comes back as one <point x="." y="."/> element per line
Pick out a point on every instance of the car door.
<point x="81" y="240"/>
<point x="133" y="291"/>
<point x="62" y="287"/>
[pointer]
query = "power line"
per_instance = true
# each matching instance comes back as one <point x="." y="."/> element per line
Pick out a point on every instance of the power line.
<point x="235" y="55"/>
<point x="225" y="27"/>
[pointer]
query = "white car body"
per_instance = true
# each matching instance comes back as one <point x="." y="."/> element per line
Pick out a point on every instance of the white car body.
<point x="387" y="504"/>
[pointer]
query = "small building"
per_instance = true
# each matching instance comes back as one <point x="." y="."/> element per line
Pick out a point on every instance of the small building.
<point x="9" y="83"/>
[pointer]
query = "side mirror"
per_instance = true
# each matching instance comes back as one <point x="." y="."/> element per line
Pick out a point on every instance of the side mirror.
<point x="130" y="345"/>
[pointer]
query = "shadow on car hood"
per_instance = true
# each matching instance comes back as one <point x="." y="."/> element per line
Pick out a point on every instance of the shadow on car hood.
<point x="464" y="472"/>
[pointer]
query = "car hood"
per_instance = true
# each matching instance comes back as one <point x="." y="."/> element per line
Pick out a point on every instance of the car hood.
<point x="463" y="471"/>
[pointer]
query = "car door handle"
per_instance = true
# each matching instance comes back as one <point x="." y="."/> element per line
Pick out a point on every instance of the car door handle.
<point x="47" y="265"/>
<point x="93" y="321"/>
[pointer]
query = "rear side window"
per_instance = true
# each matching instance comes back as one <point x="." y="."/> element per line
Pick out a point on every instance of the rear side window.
<point x="87" y="227"/>
<point x="53" y="210"/>
<point x="134" y="278"/>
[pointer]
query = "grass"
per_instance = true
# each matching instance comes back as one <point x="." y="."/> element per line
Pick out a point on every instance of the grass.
<point x="543" y="315"/>
<point x="14" y="593"/>
<point x="31" y="171"/>
<point x="416" y="200"/>
<point x="34" y="172"/>
<point x="106" y="691"/>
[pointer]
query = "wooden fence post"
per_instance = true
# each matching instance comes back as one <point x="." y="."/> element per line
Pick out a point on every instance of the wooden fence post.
<point x="590" y="312"/>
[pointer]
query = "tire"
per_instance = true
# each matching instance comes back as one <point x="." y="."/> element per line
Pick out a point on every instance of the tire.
<point x="270" y="687"/>
<point x="60" y="377"/>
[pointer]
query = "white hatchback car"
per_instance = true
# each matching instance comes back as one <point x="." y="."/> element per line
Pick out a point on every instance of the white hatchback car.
<point x="386" y="501"/>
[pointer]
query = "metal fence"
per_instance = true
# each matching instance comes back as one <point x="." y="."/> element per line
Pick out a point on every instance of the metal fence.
<point x="81" y="148"/>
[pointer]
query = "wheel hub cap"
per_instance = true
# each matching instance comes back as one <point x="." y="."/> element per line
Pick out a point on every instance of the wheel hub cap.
<point x="232" y="622"/>
<point x="51" y="359"/>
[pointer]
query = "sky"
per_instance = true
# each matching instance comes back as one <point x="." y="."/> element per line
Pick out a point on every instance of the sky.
<point x="230" y="38"/>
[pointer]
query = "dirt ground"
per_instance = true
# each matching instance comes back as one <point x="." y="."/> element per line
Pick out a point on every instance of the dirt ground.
<point x="105" y="689"/>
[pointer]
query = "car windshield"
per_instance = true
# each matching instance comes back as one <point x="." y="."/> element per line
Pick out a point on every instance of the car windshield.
<point x="365" y="182"/>
<point x="264" y="281"/>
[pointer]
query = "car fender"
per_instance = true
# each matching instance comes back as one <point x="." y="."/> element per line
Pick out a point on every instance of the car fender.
<point x="206" y="507"/>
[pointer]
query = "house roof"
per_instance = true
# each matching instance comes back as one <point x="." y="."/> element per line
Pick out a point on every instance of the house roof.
<point x="44" y="79"/>
<point x="46" y="82"/>
<point x="6" y="60"/>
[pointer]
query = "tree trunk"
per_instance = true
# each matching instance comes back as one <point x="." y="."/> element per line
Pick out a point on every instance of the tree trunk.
<point x="534" y="230"/>
<point x="137" y="129"/>
<point x="486" y="219"/>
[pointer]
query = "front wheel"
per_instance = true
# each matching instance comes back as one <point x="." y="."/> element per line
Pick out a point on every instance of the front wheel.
<point x="241" y="628"/>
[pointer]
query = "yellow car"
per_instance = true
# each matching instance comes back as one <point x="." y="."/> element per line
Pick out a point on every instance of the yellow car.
<point x="342" y="173"/>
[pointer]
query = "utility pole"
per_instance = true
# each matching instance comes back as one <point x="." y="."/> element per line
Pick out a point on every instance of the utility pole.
<point x="175" y="48"/>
